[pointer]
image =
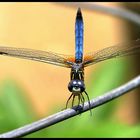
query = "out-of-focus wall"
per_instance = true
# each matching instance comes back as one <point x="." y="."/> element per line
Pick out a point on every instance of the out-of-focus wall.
<point x="48" y="26"/>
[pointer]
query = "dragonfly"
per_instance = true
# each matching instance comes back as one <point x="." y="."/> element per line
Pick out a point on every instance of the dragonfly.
<point x="76" y="62"/>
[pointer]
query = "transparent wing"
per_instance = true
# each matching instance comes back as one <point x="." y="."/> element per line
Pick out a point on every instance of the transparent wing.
<point x="119" y="50"/>
<point x="38" y="55"/>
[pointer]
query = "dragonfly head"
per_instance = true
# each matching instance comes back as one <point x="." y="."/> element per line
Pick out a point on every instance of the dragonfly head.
<point x="76" y="86"/>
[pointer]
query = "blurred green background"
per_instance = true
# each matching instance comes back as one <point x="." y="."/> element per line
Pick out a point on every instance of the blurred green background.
<point x="30" y="90"/>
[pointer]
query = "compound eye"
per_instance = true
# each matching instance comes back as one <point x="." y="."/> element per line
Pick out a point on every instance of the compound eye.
<point x="70" y="86"/>
<point x="76" y="86"/>
<point x="76" y="89"/>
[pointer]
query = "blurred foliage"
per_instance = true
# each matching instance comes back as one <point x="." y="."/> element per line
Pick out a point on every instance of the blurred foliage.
<point x="15" y="108"/>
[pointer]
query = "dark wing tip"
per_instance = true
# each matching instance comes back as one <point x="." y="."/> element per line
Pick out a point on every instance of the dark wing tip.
<point x="1" y="53"/>
<point x="79" y="14"/>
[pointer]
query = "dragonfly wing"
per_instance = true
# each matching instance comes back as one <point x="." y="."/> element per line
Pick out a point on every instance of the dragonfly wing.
<point x="119" y="50"/>
<point x="38" y="55"/>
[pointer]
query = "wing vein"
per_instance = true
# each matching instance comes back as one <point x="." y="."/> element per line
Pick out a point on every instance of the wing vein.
<point x="37" y="55"/>
<point x="122" y="49"/>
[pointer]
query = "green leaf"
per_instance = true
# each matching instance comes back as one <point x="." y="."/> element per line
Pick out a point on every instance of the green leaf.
<point x="15" y="108"/>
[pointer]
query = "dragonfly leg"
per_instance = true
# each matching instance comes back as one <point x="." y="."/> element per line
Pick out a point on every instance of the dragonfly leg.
<point x="88" y="102"/>
<point x="82" y="100"/>
<point x="78" y="107"/>
<point x="68" y="100"/>
<point x="79" y="99"/>
<point x="73" y="100"/>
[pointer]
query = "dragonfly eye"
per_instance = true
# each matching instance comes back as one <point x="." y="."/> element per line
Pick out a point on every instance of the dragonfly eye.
<point x="76" y="86"/>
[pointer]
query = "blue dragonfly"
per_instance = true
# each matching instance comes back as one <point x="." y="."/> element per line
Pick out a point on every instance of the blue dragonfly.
<point x="77" y="63"/>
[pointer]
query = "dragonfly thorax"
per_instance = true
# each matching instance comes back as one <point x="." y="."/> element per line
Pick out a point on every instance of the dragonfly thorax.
<point x="76" y="86"/>
<point x="77" y="72"/>
<point x="76" y="67"/>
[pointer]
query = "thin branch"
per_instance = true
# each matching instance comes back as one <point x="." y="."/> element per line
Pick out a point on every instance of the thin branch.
<point x="115" y="11"/>
<point x="68" y="113"/>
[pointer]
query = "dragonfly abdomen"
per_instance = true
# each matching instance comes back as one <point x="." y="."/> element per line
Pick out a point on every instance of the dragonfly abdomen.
<point x="79" y="28"/>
